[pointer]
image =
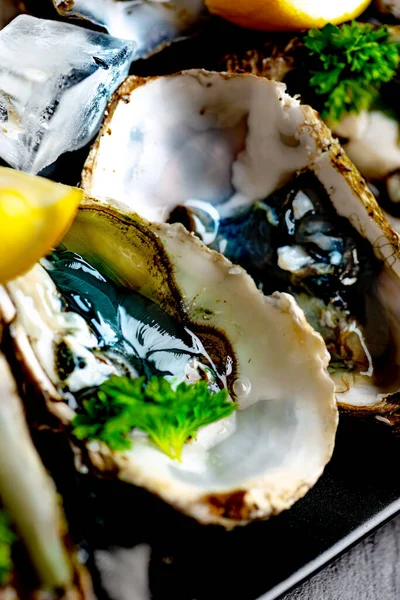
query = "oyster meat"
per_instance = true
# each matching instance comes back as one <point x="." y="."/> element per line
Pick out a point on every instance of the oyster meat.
<point x="123" y="296"/>
<point x="259" y="177"/>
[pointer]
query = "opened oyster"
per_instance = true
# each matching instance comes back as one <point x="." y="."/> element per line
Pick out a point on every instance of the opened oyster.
<point x="150" y="24"/>
<point x="123" y="297"/>
<point x="29" y="511"/>
<point x="370" y="135"/>
<point x="259" y="177"/>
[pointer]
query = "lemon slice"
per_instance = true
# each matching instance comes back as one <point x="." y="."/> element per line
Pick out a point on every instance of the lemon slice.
<point x="287" y="15"/>
<point x="34" y="215"/>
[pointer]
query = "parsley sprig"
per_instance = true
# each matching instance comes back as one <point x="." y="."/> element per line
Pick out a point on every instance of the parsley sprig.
<point x="7" y="538"/>
<point x="169" y="416"/>
<point x="349" y="64"/>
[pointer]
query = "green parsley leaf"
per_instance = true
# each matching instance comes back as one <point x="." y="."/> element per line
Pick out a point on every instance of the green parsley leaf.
<point x="349" y="64"/>
<point x="170" y="417"/>
<point x="7" y="538"/>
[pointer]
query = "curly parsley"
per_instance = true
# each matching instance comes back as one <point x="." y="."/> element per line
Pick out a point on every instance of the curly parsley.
<point x="169" y="416"/>
<point x="349" y="64"/>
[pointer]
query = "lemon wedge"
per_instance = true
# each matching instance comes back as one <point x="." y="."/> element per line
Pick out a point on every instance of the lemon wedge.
<point x="287" y="15"/>
<point x="34" y="215"/>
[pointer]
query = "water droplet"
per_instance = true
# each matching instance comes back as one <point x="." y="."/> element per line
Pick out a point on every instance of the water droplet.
<point x="241" y="387"/>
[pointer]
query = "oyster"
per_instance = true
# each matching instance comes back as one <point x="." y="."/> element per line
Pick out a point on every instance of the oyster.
<point x="150" y="24"/>
<point x="370" y="139"/>
<point x="29" y="497"/>
<point x="122" y="296"/>
<point x="259" y="177"/>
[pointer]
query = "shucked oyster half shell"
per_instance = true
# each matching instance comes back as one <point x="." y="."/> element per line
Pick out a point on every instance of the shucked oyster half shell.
<point x="371" y="138"/>
<point x="259" y="177"/>
<point x="252" y="465"/>
<point x="30" y="499"/>
<point x="151" y="24"/>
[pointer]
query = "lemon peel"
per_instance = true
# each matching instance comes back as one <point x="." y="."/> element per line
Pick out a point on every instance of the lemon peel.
<point x="35" y="213"/>
<point x="286" y="15"/>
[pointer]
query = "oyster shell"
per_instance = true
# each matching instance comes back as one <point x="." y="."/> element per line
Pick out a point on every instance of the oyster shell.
<point x="30" y="498"/>
<point x="370" y="139"/>
<point x="216" y="158"/>
<point x="274" y="365"/>
<point x="150" y="24"/>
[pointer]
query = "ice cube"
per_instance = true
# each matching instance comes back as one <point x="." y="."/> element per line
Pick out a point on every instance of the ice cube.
<point x="55" y="81"/>
<point x="151" y="24"/>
